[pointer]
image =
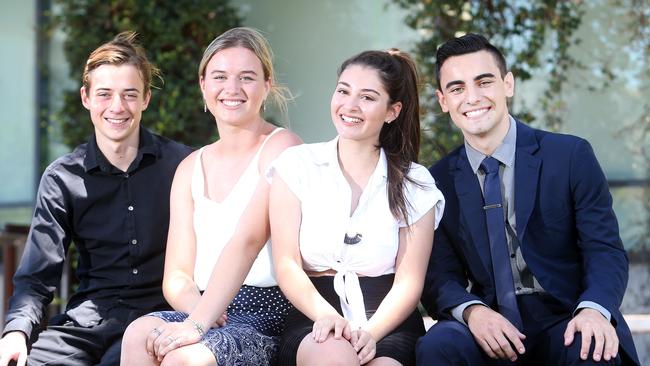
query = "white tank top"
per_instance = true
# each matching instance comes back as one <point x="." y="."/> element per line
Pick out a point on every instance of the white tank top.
<point x="215" y="224"/>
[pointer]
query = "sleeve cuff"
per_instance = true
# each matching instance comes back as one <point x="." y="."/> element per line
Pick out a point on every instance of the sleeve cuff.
<point x="457" y="312"/>
<point x="21" y="325"/>
<point x="595" y="306"/>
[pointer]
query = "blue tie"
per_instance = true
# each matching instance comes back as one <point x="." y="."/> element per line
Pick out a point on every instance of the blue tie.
<point x="494" y="218"/>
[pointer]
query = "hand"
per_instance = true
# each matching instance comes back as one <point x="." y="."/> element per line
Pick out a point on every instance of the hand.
<point x="13" y="346"/>
<point x="591" y="323"/>
<point x="494" y="333"/>
<point x="330" y="323"/>
<point x="364" y="344"/>
<point x="169" y="336"/>
<point x="221" y="322"/>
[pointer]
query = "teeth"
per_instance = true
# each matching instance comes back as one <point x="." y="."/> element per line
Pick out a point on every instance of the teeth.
<point x="350" y="119"/>
<point x="476" y="112"/>
<point x="232" y="103"/>
<point x="116" y="121"/>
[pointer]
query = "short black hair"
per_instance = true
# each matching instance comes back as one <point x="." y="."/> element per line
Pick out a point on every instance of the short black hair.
<point x="468" y="43"/>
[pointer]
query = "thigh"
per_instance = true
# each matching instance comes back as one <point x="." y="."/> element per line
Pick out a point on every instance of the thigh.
<point x="449" y="342"/>
<point x="549" y="347"/>
<point x="399" y="344"/>
<point x="66" y="344"/>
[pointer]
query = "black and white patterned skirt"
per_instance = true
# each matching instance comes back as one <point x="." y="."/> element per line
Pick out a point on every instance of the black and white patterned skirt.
<point x="252" y="332"/>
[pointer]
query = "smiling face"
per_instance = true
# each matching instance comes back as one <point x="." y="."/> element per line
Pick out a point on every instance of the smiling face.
<point x="360" y="105"/>
<point x="115" y="99"/>
<point x="233" y="86"/>
<point x="475" y="95"/>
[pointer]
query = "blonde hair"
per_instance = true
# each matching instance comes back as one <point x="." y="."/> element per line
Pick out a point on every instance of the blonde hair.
<point x="123" y="49"/>
<point x="252" y="40"/>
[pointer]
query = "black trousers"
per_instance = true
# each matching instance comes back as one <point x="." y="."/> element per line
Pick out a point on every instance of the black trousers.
<point x="66" y="342"/>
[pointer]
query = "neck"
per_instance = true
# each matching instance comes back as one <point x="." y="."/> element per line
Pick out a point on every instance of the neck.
<point x="357" y="158"/>
<point x="120" y="153"/>
<point x="238" y="138"/>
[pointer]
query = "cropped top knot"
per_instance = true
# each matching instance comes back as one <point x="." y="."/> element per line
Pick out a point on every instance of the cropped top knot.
<point x="215" y="223"/>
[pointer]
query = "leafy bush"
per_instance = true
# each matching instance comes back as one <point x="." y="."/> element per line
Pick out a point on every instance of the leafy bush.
<point x="174" y="33"/>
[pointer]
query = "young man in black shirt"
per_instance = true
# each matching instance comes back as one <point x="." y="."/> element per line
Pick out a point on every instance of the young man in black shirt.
<point x="110" y="196"/>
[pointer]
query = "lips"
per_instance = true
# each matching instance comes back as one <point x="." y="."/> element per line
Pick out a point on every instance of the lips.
<point x="476" y="112"/>
<point x="352" y="120"/>
<point x="231" y="102"/>
<point x="116" y="121"/>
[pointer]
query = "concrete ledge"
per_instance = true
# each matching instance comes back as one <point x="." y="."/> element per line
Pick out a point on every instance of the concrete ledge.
<point x="638" y="323"/>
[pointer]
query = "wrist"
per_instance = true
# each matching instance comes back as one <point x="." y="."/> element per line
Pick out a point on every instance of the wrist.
<point x="200" y="329"/>
<point x="467" y="313"/>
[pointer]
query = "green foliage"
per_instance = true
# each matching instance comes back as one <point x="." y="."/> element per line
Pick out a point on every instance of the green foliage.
<point x="521" y="29"/>
<point x="174" y="35"/>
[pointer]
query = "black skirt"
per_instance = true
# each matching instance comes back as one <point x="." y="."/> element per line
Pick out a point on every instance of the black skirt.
<point x="398" y="344"/>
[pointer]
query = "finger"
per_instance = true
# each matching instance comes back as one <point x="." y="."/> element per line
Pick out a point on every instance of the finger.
<point x="362" y="342"/>
<point x="586" y="343"/>
<point x="367" y="354"/>
<point x="354" y="338"/>
<point x="515" y="338"/>
<point x="485" y="345"/>
<point x="338" y="329"/>
<point x="150" y="340"/>
<point x="22" y="359"/>
<point x="599" y="346"/>
<point x="506" y="348"/>
<point x="347" y="331"/>
<point x="612" y="345"/>
<point x="569" y="333"/>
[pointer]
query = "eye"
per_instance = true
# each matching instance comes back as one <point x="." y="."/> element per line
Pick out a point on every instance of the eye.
<point x="342" y="91"/>
<point x="131" y="96"/>
<point x="457" y="90"/>
<point x="368" y="98"/>
<point x="219" y="77"/>
<point x="102" y="94"/>
<point x="485" y="82"/>
<point x="246" y="78"/>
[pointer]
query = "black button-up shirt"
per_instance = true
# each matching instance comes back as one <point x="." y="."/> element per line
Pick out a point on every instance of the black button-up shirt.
<point x="117" y="220"/>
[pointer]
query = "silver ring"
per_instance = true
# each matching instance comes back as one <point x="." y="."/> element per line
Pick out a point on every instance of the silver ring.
<point x="156" y="331"/>
<point x="171" y="340"/>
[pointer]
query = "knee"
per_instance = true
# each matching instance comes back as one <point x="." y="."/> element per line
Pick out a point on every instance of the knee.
<point x="135" y="337"/>
<point x="447" y="342"/>
<point x="331" y="353"/>
<point x="181" y="356"/>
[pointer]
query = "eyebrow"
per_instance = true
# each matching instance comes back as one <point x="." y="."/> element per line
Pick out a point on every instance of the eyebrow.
<point x="363" y="90"/>
<point x="242" y="72"/>
<point x="126" y="90"/>
<point x="476" y="78"/>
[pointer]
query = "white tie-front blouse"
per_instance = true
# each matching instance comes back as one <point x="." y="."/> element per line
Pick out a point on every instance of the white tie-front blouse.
<point x="313" y="174"/>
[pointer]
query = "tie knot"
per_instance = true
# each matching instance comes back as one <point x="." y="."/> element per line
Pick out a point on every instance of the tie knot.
<point x="490" y="165"/>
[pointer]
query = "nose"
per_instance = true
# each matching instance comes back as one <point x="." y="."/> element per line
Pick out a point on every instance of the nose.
<point x="117" y="103"/>
<point x="473" y="94"/>
<point x="232" y="85"/>
<point x="350" y="103"/>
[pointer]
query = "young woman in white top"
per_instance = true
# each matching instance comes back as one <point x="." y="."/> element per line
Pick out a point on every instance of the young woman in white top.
<point x="353" y="221"/>
<point x="218" y="270"/>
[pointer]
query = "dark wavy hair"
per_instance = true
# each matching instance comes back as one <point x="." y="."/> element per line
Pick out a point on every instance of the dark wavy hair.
<point x="400" y="139"/>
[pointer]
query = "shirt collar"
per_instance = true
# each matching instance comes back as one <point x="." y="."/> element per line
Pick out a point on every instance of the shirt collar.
<point x="330" y="157"/>
<point x="505" y="152"/>
<point x="95" y="159"/>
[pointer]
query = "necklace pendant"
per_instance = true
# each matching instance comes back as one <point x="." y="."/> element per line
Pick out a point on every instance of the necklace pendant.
<point x="352" y="238"/>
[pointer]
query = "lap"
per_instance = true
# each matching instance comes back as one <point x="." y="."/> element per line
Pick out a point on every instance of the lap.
<point x="65" y="342"/>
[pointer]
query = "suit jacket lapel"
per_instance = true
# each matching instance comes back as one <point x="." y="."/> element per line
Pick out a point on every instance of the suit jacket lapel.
<point x="470" y="201"/>
<point x="527" y="168"/>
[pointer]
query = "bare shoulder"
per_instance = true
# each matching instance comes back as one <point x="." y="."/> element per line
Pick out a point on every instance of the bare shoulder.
<point x="276" y="144"/>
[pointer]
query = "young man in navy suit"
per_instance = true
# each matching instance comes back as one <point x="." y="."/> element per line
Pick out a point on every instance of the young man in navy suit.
<point x="527" y="265"/>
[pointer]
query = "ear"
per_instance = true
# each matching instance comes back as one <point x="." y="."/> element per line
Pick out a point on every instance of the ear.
<point x="147" y="98"/>
<point x="509" y="83"/>
<point x="442" y="101"/>
<point x="84" y="97"/>
<point x="393" y="112"/>
<point x="267" y="88"/>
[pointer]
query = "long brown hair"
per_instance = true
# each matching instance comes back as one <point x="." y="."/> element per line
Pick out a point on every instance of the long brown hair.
<point x="400" y="139"/>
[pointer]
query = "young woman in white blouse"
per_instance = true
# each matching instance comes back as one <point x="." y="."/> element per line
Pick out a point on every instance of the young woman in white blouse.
<point x="353" y="220"/>
<point x="218" y="270"/>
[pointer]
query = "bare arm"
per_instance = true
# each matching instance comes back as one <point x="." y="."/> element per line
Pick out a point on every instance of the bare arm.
<point x="415" y="244"/>
<point x="286" y="216"/>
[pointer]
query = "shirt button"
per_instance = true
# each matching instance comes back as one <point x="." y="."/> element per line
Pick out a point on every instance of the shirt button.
<point x="126" y="175"/>
<point x="134" y="271"/>
<point x="518" y="288"/>
<point x="134" y="242"/>
<point x="130" y="208"/>
<point x="512" y="255"/>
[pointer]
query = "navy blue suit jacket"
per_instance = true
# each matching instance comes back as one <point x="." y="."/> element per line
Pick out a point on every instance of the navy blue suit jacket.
<point x="565" y="223"/>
